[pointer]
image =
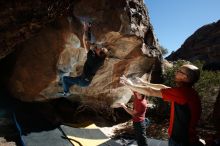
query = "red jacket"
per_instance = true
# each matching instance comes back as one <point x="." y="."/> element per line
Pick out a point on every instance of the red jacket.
<point x="185" y="113"/>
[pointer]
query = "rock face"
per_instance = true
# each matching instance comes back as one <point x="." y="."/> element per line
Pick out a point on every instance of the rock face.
<point x="203" y="45"/>
<point x="46" y="42"/>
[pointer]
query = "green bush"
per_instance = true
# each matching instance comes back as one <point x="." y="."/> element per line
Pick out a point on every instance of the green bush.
<point x="208" y="84"/>
<point x="164" y="51"/>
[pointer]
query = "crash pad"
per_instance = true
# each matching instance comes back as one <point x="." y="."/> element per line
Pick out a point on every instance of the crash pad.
<point x="87" y="136"/>
<point x="46" y="138"/>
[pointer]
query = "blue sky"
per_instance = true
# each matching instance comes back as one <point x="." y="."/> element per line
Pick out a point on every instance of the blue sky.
<point x="175" y="20"/>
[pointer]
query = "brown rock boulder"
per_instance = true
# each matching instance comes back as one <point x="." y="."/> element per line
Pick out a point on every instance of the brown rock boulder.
<point x="122" y="26"/>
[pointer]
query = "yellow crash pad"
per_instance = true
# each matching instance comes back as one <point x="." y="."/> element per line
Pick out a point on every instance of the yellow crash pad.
<point x="87" y="136"/>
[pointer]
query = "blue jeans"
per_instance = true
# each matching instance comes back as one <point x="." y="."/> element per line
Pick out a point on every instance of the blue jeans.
<point x="70" y="81"/>
<point x="140" y="133"/>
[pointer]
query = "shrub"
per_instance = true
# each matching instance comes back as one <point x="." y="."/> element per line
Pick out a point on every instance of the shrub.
<point x="208" y="84"/>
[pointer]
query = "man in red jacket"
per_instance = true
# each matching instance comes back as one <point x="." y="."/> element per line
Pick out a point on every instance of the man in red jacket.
<point x="185" y="104"/>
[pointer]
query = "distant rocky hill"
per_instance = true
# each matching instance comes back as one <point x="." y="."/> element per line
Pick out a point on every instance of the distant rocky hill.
<point x="203" y="45"/>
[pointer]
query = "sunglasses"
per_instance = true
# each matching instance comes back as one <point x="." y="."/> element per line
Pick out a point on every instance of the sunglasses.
<point x="180" y="71"/>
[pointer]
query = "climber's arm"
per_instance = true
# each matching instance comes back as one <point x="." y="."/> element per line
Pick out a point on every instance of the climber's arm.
<point x="86" y="43"/>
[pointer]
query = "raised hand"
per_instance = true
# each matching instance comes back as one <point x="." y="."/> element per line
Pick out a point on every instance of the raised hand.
<point x="119" y="104"/>
<point x="142" y="81"/>
<point x="125" y="81"/>
<point x="85" y="26"/>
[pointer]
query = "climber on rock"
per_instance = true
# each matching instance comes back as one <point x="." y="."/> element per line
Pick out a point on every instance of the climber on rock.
<point x="96" y="54"/>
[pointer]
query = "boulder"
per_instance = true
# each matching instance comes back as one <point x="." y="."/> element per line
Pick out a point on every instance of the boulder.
<point x="56" y="49"/>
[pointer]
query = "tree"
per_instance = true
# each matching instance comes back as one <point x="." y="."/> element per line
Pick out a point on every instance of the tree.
<point x="163" y="50"/>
